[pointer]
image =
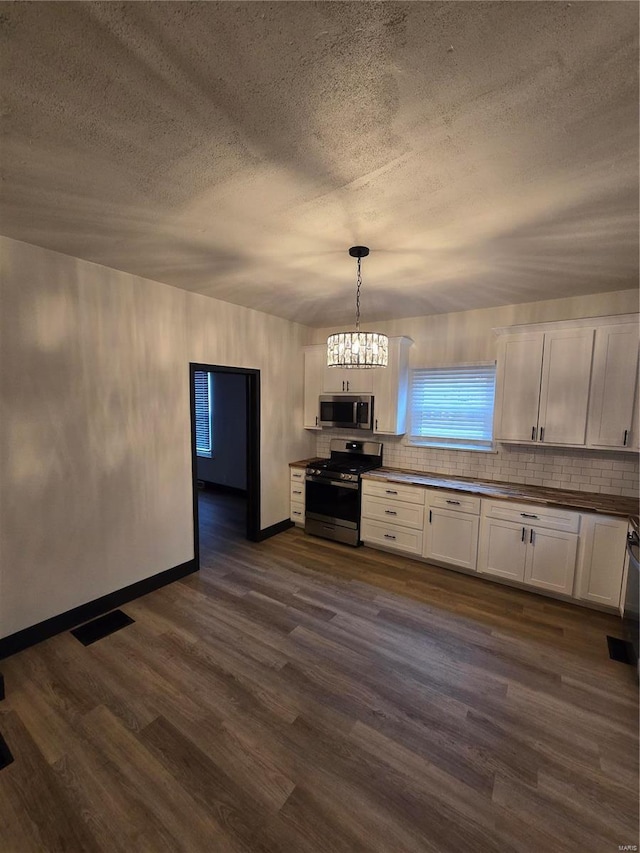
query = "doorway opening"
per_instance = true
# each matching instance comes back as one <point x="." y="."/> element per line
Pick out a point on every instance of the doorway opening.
<point x="225" y="449"/>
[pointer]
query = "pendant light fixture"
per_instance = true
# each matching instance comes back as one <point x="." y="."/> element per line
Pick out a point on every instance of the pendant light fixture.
<point x="358" y="349"/>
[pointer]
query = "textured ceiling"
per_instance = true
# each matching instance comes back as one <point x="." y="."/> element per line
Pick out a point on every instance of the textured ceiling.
<point x="486" y="152"/>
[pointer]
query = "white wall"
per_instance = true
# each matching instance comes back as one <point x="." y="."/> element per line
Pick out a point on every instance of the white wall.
<point x="467" y="337"/>
<point x="95" y="468"/>
<point x="227" y="465"/>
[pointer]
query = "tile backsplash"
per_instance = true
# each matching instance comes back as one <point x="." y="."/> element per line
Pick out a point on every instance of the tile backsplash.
<point x="606" y="472"/>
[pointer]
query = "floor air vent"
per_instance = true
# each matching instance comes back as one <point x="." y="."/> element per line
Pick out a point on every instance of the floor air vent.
<point x="101" y="627"/>
<point x="5" y="754"/>
<point x="620" y="650"/>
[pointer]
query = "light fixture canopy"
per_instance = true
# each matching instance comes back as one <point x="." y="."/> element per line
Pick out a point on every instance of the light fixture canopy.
<point x="358" y="349"/>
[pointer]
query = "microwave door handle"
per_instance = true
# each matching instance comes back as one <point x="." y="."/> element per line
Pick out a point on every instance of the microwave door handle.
<point x="355" y="412"/>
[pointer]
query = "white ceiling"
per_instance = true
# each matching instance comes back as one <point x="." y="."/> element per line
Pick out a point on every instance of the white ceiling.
<point x="486" y="152"/>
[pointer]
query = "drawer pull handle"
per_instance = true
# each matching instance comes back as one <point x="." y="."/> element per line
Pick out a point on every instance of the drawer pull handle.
<point x="389" y="536"/>
<point x="531" y="537"/>
<point x="541" y="433"/>
<point x="297" y="512"/>
<point x="528" y="515"/>
<point x="624" y="440"/>
<point x="453" y="502"/>
<point x="523" y="532"/>
<point x="390" y="512"/>
<point x="390" y="492"/>
<point x="297" y="492"/>
<point x="430" y="516"/>
<point x="533" y="433"/>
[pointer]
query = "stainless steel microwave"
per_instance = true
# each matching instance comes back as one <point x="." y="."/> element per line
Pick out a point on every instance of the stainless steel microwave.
<point x="347" y="412"/>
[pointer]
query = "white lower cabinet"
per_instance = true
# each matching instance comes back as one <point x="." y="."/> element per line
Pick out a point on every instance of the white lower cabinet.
<point x="392" y="516"/>
<point x="502" y="549"/>
<point x="546" y="548"/>
<point x="297" y="487"/>
<point x="601" y="559"/>
<point x="551" y="559"/>
<point x="451" y="529"/>
<point x="529" y="544"/>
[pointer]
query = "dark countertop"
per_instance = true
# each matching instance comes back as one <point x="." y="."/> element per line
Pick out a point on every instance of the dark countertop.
<point x="580" y="501"/>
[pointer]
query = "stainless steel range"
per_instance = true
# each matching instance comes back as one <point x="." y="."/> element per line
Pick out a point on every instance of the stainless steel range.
<point x="332" y="489"/>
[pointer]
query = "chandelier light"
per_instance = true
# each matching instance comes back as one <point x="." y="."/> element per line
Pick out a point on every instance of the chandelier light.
<point x="358" y="349"/>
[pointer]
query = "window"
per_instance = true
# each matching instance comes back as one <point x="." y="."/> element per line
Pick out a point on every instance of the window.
<point x="453" y="407"/>
<point x="202" y="382"/>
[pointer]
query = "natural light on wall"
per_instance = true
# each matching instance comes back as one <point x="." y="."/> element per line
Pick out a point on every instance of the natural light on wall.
<point x="453" y="407"/>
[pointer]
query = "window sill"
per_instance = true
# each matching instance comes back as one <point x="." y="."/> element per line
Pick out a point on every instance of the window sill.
<point x="432" y="445"/>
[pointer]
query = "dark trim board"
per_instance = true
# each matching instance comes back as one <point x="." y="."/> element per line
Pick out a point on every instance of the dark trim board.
<point x="64" y="621"/>
<point x="280" y="527"/>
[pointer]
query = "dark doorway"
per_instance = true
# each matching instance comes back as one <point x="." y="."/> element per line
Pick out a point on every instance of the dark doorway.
<point x="252" y="443"/>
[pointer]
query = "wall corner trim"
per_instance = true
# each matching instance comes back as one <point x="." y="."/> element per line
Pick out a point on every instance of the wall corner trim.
<point x="83" y="613"/>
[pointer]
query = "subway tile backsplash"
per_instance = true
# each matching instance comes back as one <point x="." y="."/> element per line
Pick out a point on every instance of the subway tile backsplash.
<point x="606" y="472"/>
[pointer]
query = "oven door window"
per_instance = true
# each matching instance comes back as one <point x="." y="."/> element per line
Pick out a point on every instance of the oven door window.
<point x="330" y="502"/>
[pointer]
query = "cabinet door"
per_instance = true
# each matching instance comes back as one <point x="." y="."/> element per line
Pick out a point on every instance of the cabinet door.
<point x="451" y="537"/>
<point x="551" y="559"/>
<point x="390" y="389"/>
<point x="502" y="549"/>
<point x="356" y="380"/>
<point x="564" y="396"/>
<point x="518" y="387"/>
<point x="601" y="559"/>
<point x="314" y="364"/>
<point x="613" y="386"/>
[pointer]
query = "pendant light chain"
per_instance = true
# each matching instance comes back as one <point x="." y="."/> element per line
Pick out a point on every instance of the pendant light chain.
<point x="358" y="286"/>
<point x="356" y="348"/>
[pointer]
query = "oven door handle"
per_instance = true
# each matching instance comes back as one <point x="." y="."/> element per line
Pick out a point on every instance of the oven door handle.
<point x="342" y="484"/>
<point x="633" y="542"/>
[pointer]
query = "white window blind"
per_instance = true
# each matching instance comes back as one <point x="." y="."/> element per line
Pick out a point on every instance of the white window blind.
<point x="453" y="407"/>
<point x="202" y="382"/>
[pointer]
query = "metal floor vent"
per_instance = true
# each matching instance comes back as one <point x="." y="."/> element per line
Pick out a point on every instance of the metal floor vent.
<point x="620" y="650"/>
<point x="5" y="754"/>
<point x="101" y="627"/>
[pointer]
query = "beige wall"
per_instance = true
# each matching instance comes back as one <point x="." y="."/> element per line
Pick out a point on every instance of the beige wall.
<point x="467" y="336"/>
<point x="95" y="469"/>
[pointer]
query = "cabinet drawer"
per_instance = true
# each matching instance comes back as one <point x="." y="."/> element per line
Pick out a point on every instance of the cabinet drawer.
<point x="410" y="494"/>
<point x="532" y="515"/>
<point x="399" y="538"/>
<point x="453" y="500"/>
<point x="298" y="475"/>
<point x="393" y="511"/>
<point x="297" y="492"/>
<point x="297" y="512"/>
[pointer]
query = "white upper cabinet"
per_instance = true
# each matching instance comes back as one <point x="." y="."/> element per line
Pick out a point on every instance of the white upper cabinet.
<point x="315" y="359"/>
<point x="390" y="389"/>
<point x="572" y="383"/>
<point x="355" y="380"/>
<point x="614" y="387"/>
<point x="564" y="394"/>
<point x="518" y="387"/>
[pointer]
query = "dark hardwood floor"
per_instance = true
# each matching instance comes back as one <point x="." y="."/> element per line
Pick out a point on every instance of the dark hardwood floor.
<point x="299" y="695"/>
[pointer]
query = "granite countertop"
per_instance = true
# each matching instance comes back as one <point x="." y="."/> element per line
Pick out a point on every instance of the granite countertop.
<point x="581" y="501"/>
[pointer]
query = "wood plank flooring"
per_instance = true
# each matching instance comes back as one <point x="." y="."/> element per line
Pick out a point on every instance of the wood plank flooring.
<point x="299" y="696"/>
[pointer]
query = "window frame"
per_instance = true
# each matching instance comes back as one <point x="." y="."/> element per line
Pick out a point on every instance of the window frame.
<point x="204" y="452"/>
<point x="486" y="444"/>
